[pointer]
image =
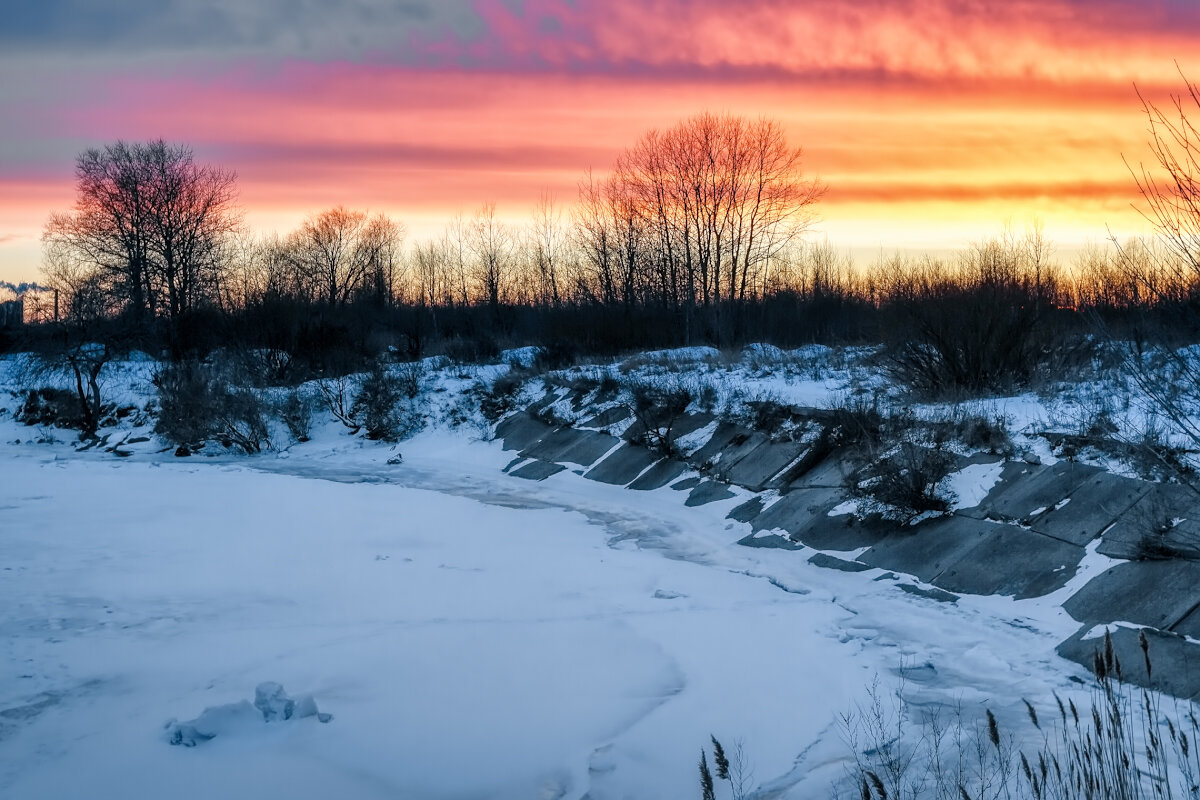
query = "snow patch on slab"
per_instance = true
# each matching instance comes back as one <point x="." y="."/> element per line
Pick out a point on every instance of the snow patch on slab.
<point x="844" y="508"/>
<point x="972" y="483"/>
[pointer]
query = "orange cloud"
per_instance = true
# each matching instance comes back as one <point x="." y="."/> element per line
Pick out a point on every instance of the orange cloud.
<point x="950" y="115"/>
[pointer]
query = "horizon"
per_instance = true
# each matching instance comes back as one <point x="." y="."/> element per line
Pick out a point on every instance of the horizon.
<point x="928" y="136"/>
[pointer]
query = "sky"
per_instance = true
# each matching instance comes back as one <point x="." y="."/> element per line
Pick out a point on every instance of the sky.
<point x="934" y="123"/>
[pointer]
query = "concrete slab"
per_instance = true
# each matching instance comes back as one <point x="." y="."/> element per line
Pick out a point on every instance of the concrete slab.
<point x="623" y="465"/>
<point x="685" y="424"/>
<point x="928" y="549"/>
<point x="930" y="594"/>
<point x="610" y="416"/>
<point x="1013" y="561"/>
<point x="747" y="510"/>
<point x="519" y="431"/>
<point x="770" y="540"/>
<point x="803" y="513"/>
<point x="1037" y="490"/>
<point x="553" y="443"/>
<point x="1189" y="625"/>
<point x="549" y="398"/>
<point x="1011" y="472"/>
<point x="659" y="475"/>
<point x="1091" y="508"/>
<point x="1175" y="662"/>
<point x="537" y="470"/>
<point x="845" y="532"/>
<point x="830" y="562"/>
<point x="732" y="454"/>
<point x="572" y="446"/>
<point x="1155" y="593"/>
<point x="797" y="509"/>
<point x="756" y="468"/>
<point x="708" y="492"/>
<point x="690" y="423"/>
<point x="1166" y="520"/>
<point x="829" y="472"/>
<point x="722" y="437"/>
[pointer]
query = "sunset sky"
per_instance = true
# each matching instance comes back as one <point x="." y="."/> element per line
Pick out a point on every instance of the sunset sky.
<point x="932" y="121"/>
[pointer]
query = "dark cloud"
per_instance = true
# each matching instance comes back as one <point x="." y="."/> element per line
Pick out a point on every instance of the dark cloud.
<point x="282" y="28"/>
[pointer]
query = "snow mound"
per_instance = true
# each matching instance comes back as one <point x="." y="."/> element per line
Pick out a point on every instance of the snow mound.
<point x="271" y="704"/>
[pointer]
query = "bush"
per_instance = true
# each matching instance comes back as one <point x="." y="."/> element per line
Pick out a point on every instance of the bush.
<point x="337" y="395"/>
<point x="906" y="485"/>
<point x="379" y="405"/>
<point x="770" y="416"/>
<point x="259" y="367"/>
<point x="558" y="354"/>
<point x="658" y="405"/>
<point x="471" y="350"/>
<point x="857" y="421"/>
<point x="409" y="379"/>
<point x="977" y="433"/>
<point x="296" y="413"/>
<point x="198" y="404"/>
<point x="51" y="406"/>
<point x="991" y="326"/>
<point x="502" y="396"/>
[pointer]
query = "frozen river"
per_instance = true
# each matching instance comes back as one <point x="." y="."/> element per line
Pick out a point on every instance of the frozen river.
<point x="473" y="635"/>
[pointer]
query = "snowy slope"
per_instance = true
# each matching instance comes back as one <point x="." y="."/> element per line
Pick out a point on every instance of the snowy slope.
<point x="472" y="634"/>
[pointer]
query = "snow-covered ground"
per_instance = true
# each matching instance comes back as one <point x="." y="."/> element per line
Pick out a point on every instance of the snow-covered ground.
<point x="473" y="635"/>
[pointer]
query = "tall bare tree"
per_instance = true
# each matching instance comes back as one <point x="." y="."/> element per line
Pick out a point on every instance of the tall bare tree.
<point x="191" y="214"/>
<point x="343" y="253"/>
<point x="493" y="246"/>
<point x="547" y="240"/>
<point x="698" y="211"/>
<point x="147" y="229"/>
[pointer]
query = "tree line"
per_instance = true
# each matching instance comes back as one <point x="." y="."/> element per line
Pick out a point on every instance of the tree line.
<point x="695" y="235"/>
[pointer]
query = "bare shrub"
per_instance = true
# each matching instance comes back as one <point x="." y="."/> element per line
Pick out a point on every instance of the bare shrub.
<point x="50" y="406"/>
<point x="991" y="325"/>
<point x="198" y="404"/>
<point x="295" y="410"/>
<point x="81" y="364"/>
<point x="906" y="485"/>
<point x="410" y="379"/>
<point x="658" y="404"/>
<point x="337" y="393"/>
<point x="383" y="404"/>
<point x="471" y="349"/>
<point x="557" y="354"/>
<point x="502" y="396"/>
<point x="977" y="433"/>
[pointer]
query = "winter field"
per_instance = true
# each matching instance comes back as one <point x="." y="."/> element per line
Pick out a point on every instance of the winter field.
<point x="471" y="634"/>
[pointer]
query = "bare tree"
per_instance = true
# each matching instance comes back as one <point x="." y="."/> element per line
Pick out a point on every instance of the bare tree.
<point x="492" y="246"/>
<point x="190" y="210"/>
<point x="1167" y="276"/>
<point x="379" y="245"/>
<point x="595" y="240"/>
<point x="698" y="212"/>
<point x="148" y="226"/>
<point x="547" y="240"/>
<point x="327" y="253"/>
<point x="1171" y="192"/>
<point x="457" y="246"/>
